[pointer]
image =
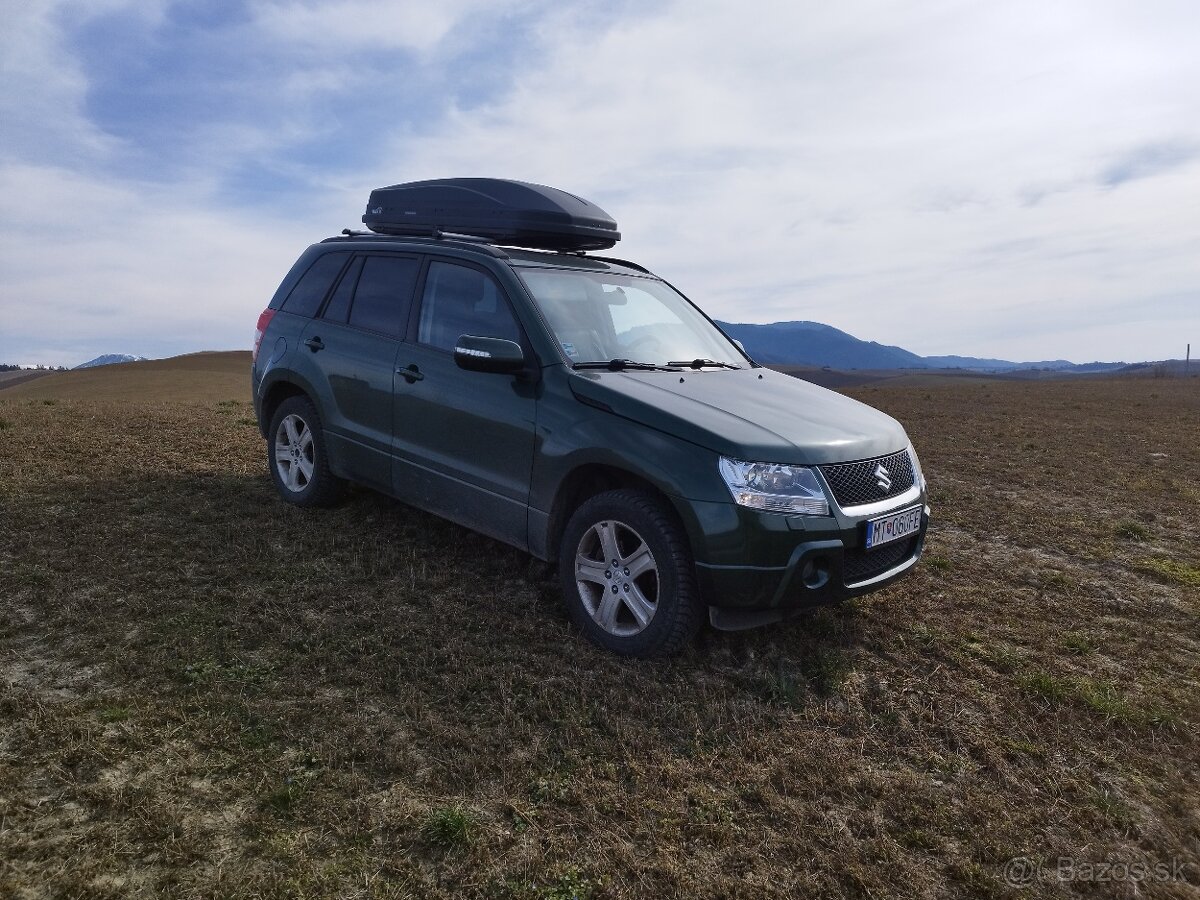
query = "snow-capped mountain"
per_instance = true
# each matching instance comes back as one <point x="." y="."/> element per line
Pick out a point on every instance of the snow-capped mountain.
<point x="108" y="359"/>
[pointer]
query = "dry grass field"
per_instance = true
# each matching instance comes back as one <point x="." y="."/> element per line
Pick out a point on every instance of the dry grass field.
<point x="13" y="377"/>
<point x="206" y="693"/>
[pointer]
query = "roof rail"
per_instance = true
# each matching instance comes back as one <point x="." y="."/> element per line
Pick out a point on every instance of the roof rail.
<point x="464" y="241"/>
<point x="621" y="262"/>
<point x="476" y="242"/>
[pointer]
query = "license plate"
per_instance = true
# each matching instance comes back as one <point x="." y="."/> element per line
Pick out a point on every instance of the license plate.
<point x="893" y="526"/>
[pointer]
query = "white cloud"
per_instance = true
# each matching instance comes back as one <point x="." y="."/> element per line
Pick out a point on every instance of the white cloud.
<point x="855" y="164"/>
<point x="1007" y="179"/>
<point x="44" y="87"/>
<point x="355" y="25"/>
<point x="130" y="268"/>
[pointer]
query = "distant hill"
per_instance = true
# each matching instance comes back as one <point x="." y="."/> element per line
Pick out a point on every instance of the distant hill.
<point x="209" y="377"/>
<point x="1003" y="365"/>
<point x="109" y="359"/>
<point x="814" y="344"/>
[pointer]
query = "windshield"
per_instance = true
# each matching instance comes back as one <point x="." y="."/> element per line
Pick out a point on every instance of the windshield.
<point x="600" y="317"/>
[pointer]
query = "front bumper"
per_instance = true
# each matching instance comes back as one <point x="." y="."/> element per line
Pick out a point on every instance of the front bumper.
<point x="755" y="567"/>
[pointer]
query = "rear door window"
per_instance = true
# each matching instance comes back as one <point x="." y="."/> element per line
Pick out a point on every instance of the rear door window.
<point x="305" y="298"/>
<point x="384" y="294"/>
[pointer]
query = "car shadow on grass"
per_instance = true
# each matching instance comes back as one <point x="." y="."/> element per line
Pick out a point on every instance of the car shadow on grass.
<point x="207" y="587"/>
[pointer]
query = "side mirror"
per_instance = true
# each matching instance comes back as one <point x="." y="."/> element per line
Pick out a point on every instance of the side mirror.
<point x="488" y="354"/>
<point x="740" y="346"/>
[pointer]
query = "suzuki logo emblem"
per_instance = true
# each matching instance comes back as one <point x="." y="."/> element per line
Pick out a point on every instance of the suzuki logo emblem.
<point x="883" y="478"/>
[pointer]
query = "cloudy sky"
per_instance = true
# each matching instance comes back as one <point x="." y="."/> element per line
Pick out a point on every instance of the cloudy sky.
<point x="1014" y="179"/>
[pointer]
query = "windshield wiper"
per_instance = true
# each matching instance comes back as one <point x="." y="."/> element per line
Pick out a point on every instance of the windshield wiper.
<point x="616" y="365"/>
<point x="701" y="363"/>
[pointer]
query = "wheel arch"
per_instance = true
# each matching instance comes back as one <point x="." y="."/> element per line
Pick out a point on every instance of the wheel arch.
<point x="274" y="394"/>
<point x="664" y="619"/>
<point x="591" y="478"/>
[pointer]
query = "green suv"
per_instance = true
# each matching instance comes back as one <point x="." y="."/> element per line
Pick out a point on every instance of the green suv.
<point x="579" y="408"/>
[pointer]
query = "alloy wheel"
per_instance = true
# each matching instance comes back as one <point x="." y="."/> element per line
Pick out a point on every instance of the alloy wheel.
<point x="294" y="453"/>
<point x="617" y="578"/>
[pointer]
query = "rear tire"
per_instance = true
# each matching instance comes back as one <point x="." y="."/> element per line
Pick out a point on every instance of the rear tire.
<point x="297" y="457"/>
<point x="628" y="578"/>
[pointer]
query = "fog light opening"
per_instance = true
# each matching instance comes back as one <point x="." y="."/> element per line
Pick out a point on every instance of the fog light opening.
<point x="815" y="573"/>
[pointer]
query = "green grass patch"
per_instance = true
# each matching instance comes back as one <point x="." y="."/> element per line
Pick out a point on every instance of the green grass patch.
<point x="829" y="623"/>
<point x="1004" y="658"/>
<point x="552" y="788"/>
<point x="1171" y="570"/>
<point x="1097" y="696"/>
<point x="1102" y="697"/>
<point x="709" y="809"/>
<point x="1023" y="747"/>
<point x="1053" y="580"/>
<point x="448" y="827"/>
<point x="1077" y="643"/>
<point x="199" y="673"/>
<point x="5" y="424"/>
<point x="284" y="798"/>
<point x="113" y="713"/>
<point x="570" y="885"/>
<point x="820" y="670"/>
<point x="1131" y="531"/>
<point x="783" y="687"/>
<point x="826" y="669"/>
<point x="1044" y="685"/>
<point x="257" y="736"/>
<point x="975" y="879"/>
<point x="937" y="563"/>
<point x="918" y="839"/>
<point x="924" y="636"/>
<point x="204" y="672"/>
<point x="1116" y="813"/>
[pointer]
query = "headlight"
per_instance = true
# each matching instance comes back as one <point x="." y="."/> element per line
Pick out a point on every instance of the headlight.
<point x="772" y="487"/>
<point x="918" y="475"/>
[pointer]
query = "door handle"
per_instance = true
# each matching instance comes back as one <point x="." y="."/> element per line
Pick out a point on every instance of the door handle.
<point x="411" y="374"/>
<point x="314" y="344"/>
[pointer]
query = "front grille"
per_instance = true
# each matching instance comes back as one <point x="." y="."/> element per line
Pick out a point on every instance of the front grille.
<point x="859" y="564"/>
<point x="856" y="483"/>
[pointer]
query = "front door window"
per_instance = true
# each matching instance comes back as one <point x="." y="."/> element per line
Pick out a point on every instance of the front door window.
<point x="459" y="300"/>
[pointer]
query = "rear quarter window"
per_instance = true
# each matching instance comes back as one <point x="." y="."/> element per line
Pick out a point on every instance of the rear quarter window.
<point x="305" y="298"/>
<point x="338" y="307"/>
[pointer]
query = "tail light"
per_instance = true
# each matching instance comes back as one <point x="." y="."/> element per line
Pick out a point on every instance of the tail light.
<point x="260" y="329"/>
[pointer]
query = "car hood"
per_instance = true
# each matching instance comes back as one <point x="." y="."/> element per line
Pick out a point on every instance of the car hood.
<point x="752" y="414"/>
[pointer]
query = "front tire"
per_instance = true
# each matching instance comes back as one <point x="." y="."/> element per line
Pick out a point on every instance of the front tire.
<point x="297" y="457"/>
<point x="627" y="574"/>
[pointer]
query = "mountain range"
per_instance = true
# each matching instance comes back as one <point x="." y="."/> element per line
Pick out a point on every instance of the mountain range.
<point x="814" y="344"/>
<point x="818" y="345"/>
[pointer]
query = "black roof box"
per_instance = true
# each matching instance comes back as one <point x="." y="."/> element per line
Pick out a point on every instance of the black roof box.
<point x="506" y="212"/>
